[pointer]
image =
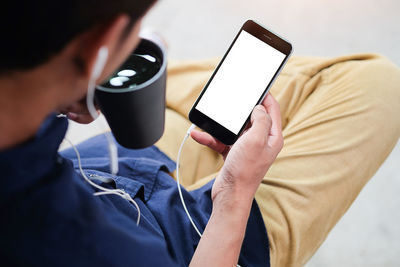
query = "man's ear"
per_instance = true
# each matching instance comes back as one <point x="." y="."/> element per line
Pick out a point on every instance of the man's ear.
<point x="109" y="35"/>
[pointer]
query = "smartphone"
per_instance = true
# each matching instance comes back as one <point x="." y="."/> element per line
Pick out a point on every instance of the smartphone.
<point x="240" y="82"/>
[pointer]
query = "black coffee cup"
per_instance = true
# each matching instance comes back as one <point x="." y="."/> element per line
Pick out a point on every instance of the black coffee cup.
<point x="133" y="99"/>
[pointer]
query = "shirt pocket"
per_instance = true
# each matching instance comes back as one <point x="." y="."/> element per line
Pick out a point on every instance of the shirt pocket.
<point x="104" y="179"/>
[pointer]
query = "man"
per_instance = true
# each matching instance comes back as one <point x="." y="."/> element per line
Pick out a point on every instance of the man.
<point x="335" y="114"/>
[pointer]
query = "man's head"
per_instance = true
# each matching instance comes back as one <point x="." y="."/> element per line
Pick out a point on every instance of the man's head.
<point x="34" y="31"/>
<point x="48" y="52"/>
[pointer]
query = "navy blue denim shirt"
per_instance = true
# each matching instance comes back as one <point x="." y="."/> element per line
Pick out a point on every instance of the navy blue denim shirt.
<point x="49" y="216"/>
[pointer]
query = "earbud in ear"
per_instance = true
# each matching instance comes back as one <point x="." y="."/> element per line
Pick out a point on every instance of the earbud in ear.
<point x="101" y="60"/>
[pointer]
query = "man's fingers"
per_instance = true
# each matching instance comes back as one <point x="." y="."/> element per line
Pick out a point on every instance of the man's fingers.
<point x="275" y="141"/>
<point x="206" y="139"/>
<point x="265" y="128"/>
<point x="273" y="109"/>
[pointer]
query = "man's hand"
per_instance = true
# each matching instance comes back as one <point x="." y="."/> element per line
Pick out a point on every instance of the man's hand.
<point x="78" y="112"/>
<point x="247" y="161"/>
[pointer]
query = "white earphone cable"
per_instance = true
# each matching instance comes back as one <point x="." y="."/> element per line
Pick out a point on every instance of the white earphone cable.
<point x="178" y="180"/>
<point x="112" y="147"/>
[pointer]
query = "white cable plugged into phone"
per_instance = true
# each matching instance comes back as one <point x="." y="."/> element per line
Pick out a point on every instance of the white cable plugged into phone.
<point x="178" y="180"/>
<point x="179" y="184"/>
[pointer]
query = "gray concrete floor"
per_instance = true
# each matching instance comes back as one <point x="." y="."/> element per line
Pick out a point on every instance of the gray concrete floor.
<point x="368" y="234"/>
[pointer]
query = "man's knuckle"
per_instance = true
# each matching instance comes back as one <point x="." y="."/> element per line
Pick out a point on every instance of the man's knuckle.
<point x="259" y="142"/>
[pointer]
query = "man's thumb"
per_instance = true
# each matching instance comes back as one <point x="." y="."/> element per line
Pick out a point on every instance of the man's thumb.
<point x="260" y="120"/>
<point x="258" y="112"/>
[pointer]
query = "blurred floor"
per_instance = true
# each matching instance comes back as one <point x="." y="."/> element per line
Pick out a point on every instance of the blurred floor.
<point x="204" y="28"/>
<point x="368" y="235"/>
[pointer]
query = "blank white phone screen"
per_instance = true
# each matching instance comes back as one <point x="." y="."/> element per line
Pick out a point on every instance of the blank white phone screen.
<point x="240" y="81"/>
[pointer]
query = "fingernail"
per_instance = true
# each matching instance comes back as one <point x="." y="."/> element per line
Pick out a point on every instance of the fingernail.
<point x="260" y="108"/>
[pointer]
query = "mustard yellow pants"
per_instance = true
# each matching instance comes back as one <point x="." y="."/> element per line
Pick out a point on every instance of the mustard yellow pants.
<point x="341" y="119"/>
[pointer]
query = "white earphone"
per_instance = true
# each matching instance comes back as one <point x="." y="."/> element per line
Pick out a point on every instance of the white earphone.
<point x="102" y="56"/>
<point x="98" y="68"/>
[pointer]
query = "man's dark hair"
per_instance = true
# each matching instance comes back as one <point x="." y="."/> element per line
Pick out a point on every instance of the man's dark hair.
<point x="33" y="31"/>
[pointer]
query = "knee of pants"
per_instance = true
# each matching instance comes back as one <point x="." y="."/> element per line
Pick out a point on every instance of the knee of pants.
<point x="374" y="84"/>
<point x="377" y="78"/>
